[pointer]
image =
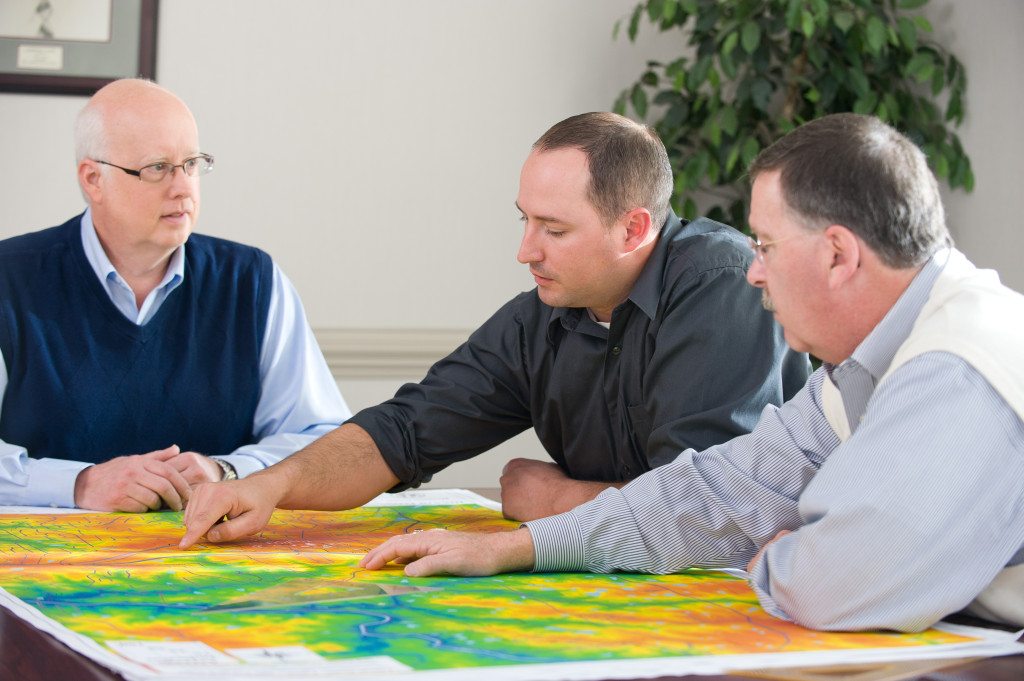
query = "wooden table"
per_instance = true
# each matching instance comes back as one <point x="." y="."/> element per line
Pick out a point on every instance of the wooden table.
<point x="27" y="654"/>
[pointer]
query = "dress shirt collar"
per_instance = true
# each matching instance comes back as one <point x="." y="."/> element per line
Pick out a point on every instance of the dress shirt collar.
<point x="875" y="353"/>
<point x="105" y="270"/>
<point x="647" y="290"/>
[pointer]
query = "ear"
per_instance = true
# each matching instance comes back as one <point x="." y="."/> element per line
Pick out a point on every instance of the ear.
<point x="90" y="179"/>
<point x="638" y="227"/>
<point x="846" y="252"/>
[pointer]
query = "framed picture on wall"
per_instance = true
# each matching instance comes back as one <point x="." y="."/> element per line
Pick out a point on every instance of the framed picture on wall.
<point x="75" y="47"/>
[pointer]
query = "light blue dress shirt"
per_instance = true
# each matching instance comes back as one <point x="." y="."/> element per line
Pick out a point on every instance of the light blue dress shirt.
<point x="299" y="399"/>
<point x="902" y="524"/>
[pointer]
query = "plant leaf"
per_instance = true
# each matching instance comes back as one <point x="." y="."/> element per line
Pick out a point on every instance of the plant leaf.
<point x="843" y="20"/>
<point x="751" y="37"/>
<point x="876" y="35"/>
<point x="639" y="100"/>
<point x="807" y="23"/>
<point x="908" y="33"/>
<point x="620" y="104"/>
<point x="698" y="74"/>
<point x="732" y="157"/>
<point x="938" y="80"/>
<point x="654" y="9"/>
<point x="713" y="132"/>
<point x="919" y="67"/>
<point x="729" y="44"/>
<point x="793" y="17"/>
<point x="714" y="171"/>
<point x="761" y="93"/>
<point x="751" y="148"/>
<point x="634" y="23"/>
<point x="728" y="66"/>
<point x="866" y="103"/>
<point x="727" y="119"/>
<point x="891" y="105"/>
<point x="668" y="11"/>
<point x="859" y="82"/>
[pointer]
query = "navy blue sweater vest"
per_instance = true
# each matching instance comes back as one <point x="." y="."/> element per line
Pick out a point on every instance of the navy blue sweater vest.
<point x="87" y="384"/>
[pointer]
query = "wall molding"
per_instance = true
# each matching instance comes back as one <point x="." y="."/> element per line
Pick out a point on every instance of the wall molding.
<point x="386" y="353"/>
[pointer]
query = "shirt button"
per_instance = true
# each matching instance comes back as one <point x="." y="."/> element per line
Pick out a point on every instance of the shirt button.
<point x="616" y="350"/>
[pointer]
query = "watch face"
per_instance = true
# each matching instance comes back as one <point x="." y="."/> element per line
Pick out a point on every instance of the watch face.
<point x="228" y="471"/>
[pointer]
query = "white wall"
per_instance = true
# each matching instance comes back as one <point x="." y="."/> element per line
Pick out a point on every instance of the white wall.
<point x="988" y="224"/>
<point x="374" y="147"/>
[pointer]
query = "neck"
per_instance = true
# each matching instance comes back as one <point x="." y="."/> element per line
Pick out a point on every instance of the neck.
<point x="871" y="306"/>
<point x="632" y="265"/>
<point x="141" y="271"/>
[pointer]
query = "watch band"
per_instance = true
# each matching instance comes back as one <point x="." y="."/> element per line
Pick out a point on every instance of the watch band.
<point x="229" y="472"/>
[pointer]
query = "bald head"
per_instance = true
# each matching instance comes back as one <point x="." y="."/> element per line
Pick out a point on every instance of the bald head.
<point x="118" y="114"/>
<point x="126" y="127"/>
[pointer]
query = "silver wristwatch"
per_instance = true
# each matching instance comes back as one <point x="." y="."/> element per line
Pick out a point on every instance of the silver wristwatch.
<point x="229" y="472"/>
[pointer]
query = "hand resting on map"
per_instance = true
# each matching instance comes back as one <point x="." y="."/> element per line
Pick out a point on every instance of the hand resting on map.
<point x="466" y="554"/>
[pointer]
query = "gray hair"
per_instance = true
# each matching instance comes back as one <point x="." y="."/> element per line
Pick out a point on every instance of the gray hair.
<point x="90" y="134"/>
<point x="628" y="165"/>
<point x="859" y="172"/>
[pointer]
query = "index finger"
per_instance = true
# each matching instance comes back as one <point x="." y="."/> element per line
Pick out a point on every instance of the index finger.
<point x="402" y="546"/>
<point x="201" y="515"/>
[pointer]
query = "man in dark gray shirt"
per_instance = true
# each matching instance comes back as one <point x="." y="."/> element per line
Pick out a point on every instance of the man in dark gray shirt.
<point x="641" y="340"/>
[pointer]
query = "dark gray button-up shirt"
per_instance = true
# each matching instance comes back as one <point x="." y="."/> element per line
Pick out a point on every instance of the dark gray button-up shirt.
<point x="690" y="360"/>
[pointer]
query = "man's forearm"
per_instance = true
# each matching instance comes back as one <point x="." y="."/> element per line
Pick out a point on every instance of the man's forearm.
<point x="343" y="469"/>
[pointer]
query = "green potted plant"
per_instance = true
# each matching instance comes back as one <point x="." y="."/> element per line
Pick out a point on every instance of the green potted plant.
<point x="751" y="70"/>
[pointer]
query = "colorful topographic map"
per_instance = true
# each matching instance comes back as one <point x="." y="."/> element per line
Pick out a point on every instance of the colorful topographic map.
<point x="118" y="577"/>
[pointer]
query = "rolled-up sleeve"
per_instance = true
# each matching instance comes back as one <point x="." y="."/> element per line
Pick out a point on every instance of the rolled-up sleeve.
<point x="470" y="401"/>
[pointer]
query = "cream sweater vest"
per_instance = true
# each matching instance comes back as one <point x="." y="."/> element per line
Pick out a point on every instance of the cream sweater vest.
<point x="971" y="315"/>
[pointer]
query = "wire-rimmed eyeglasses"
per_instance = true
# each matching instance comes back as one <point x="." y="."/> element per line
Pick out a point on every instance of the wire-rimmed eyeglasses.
<point x="154" y="172"/>
<point x="760" y="248"/>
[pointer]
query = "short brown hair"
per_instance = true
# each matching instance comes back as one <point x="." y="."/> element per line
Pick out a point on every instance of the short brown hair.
<point x="628" y="164"/>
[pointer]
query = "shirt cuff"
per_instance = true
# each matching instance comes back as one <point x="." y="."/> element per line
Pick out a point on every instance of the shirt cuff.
<point x="395" y="439"/>
<point x="760" y="582"/>
<point x="244" y="465"/>
<point x="558" y="544"/>
<point x="53" y="483"/>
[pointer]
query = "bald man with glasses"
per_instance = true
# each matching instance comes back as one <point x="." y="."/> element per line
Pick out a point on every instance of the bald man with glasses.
<point x="140" y="359"/>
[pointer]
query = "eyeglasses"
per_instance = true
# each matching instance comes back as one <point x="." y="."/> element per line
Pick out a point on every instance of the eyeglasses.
<point x="760" y="248"/>
<point x="154" y="172"/>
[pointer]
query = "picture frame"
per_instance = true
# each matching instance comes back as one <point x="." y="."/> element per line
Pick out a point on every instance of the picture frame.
<point x="97" y="42"/>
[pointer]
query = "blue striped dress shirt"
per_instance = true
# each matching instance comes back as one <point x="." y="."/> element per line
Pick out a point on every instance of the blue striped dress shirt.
<point x="900" y="525"/>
